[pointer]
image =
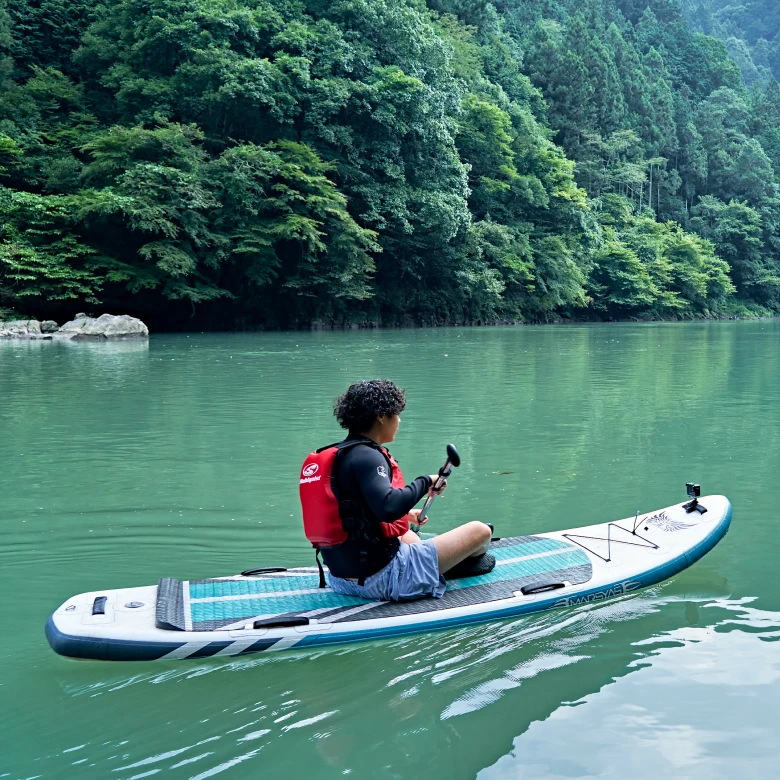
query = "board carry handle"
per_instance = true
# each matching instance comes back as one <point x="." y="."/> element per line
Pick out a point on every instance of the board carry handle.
<point x="528" y="590"/>
<point x="99" y="605"/>
<point x="266" y="570"/>
<point x="281" y="622"/>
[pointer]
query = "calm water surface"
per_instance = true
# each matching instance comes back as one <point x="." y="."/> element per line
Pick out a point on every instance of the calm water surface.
<point x="122" y="463"/>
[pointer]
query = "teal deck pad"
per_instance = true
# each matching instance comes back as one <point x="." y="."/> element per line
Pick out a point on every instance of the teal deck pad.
<point x="207" y="605"/>
<point x="565" y="559"/>
<point x="269" y="583"/>
<point x="212" y="611"/>
<point x="280" y="583"/>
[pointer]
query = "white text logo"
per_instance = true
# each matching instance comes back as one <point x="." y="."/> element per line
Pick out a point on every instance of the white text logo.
<point x="615" y="590"/>
<point x="311" y="470"/>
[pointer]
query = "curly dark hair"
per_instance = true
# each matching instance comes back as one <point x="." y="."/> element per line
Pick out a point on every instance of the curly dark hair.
<point x="364" y="401"/>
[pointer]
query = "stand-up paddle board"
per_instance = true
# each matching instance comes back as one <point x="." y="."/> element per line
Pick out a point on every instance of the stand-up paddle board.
<point x="275" y="609"/>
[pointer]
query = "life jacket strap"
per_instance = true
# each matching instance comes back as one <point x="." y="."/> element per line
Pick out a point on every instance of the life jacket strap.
<point x="363" y="568"/>
<point x="319" y="566"/>
<point x="345" y="445"/>
<point x="353" y="518"/>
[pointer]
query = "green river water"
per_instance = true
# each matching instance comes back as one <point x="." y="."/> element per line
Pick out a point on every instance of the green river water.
<point x="121" y="463"/>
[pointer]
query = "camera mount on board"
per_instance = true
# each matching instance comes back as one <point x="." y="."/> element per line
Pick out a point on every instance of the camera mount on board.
<point x="694" y="491"/>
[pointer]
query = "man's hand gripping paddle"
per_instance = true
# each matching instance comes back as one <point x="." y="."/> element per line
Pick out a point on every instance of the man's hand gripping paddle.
<point x="453" y="459"/>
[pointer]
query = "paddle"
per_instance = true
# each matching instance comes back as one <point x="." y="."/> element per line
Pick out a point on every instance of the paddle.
<point x="453" y="459"/>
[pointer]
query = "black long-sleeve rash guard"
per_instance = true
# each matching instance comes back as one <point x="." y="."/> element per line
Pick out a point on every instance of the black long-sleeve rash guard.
<point x="364" y="474"/>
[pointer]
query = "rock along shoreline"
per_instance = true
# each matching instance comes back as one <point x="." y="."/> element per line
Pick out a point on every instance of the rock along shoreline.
<point x="82" y="328"/>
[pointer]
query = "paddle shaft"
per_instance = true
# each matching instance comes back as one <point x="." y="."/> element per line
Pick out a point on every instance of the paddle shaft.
<point x="444" y="472"/>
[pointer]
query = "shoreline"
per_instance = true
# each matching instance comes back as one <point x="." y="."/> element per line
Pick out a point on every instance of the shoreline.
<point x="317" y="326"/>
<point x="322" y="328"/>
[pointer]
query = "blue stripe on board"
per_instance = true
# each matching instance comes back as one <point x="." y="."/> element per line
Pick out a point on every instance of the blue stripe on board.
<point x="274" y="605"/>
<point x="212" y="648"/>
<point x="530" y="548"/>
<point x="223" y="588"/>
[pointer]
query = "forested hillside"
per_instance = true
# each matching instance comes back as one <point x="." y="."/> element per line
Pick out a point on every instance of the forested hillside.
<point x="751" y="31"/>
<point x="269" y="163"/>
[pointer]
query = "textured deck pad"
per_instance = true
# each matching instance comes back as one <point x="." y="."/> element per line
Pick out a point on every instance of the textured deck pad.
<point x="208" y="605"/>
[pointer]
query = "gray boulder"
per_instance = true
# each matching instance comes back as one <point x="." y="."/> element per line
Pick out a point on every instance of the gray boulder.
<point x="49" y="326"/>
<point x="21" y="329"/>
<point x="106" y="326"/>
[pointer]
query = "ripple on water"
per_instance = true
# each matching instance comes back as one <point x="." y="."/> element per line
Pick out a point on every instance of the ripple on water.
<point x="666" y="717"/>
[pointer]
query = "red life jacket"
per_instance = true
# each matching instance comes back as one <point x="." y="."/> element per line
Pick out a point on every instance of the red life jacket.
<point x="326" y="523"/>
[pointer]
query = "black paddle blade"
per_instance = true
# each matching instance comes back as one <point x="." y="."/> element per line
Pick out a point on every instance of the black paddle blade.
<point x="452" y="455"/>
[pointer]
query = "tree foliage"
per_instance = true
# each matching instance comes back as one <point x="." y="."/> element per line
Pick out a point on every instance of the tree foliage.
<point x="265" y="163"/>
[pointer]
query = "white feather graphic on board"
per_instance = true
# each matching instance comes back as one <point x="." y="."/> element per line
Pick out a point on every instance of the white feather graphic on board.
<point x="665" y="523"/>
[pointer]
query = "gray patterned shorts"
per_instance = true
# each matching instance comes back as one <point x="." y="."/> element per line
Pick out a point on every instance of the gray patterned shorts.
<point x="412" y="574"/>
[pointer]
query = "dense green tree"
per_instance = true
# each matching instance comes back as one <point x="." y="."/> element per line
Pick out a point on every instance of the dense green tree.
<point x="41" y="262"/>
<point x="750" y="28"/>
<point x="766" y="121"/>
<point x="280" y="217"/>
<point x="736" y="231"/>
<point x="621" y="283"/>
<point x="655" y="267"/>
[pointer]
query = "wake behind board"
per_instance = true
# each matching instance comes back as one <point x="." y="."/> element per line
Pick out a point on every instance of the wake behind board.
<point x="278" y="609"/>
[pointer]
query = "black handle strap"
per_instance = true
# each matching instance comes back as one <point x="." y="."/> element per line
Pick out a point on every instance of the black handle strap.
<point x="99" y="605"/>
<point x="281" y="622"/>
<point x="266" y="570"/>
<point x="528" y="590"/>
